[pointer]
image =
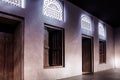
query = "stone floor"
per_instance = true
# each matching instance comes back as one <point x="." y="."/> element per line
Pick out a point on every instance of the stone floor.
<point x="113" y="74"/>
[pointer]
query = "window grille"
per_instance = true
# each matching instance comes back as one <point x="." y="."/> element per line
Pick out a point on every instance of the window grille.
<point x="86" y="25"/>
<point x="53" y="9"/>
<point x="19" y="3"/>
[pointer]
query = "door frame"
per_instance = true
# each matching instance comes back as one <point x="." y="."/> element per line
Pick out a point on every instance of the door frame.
<point x="92" y="52"/>
<point x="21" y="20"/>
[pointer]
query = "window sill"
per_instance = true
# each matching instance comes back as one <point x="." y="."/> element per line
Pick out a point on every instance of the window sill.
<point x="53" y="67"/>
<point x="102" y="63"/>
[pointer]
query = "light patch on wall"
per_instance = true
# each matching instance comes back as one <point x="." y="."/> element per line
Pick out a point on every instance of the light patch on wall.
<point x="19" y="3"/>
<point x="86" y="25"/>
<point x="101" y="30"/>
<point x="112" y="61"/>
<point x="117" y="62"/>
<point x="53" y="9"/>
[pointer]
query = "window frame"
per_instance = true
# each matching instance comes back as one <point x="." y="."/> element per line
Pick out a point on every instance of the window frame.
<point x="63" y="52"/>
<point x="104" y="54"/>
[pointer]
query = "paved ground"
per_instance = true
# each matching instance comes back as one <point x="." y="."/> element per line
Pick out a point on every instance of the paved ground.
<point x="113" y="74"/>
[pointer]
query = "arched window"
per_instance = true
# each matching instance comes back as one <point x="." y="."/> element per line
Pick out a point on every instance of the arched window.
<point x="53" y="9"/>
<point x="101" y="31"/>
<point x="19" y="3"/>
<point x="86" y="25"/>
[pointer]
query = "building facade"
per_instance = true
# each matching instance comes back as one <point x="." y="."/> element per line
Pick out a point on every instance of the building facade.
<point x="49" y="40"/>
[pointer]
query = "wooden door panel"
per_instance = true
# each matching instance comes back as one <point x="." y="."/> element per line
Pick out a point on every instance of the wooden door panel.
<point x="1" y="57"/>
<point x="86" y="55"/>
<point x="6" y="56"/>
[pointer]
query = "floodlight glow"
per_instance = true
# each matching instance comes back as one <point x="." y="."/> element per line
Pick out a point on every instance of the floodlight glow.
<point x="53" y="9"/>
<point x="101" y="31"/>
<point x="117" y="62"/>
<point x="86" y="25"/>
<point x="19" y="3"/>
